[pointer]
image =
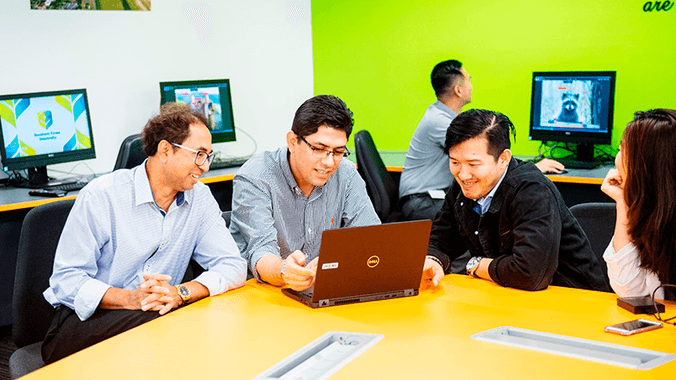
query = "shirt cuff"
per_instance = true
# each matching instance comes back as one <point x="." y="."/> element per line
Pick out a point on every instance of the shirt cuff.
<point x="623" y="266"/>
<point x="51" y="297"/>
<point x="88" y="298"/>
<point x="217" y="283"/>
<point x="628" y="252"/>
<point x="445" y="260"/>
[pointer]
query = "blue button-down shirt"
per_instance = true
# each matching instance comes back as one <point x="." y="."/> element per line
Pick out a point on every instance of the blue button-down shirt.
<point x="484" y="203"/>
<point x="116" y="232"/>
<point x="271" y="216"/>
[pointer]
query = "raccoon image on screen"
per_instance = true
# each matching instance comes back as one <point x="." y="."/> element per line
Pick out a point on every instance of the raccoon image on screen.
<point x="571" y="104"/>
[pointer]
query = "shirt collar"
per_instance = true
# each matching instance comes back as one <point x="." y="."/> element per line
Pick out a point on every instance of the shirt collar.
<point x="144" y="193"/>
<point x="485" y="202"/>
<point x="283" y="157"/>
<point x="288" y="175"/>
<point x="440" y="105"/>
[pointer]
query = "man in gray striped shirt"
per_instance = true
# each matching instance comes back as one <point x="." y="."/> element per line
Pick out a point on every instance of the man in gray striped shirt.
<point x="283" y="200"/>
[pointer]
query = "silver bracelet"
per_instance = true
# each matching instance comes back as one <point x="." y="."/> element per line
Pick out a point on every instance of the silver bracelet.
<point x="436" y="259"/>
<point x="283" y="268"/>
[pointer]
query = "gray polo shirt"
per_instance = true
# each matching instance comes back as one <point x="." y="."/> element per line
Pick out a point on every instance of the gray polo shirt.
<point x="271" y="216"/>
<point x="426" y="165"/>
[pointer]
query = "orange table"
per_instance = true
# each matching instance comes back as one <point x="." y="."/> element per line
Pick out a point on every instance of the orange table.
<point x="240" y="334"/>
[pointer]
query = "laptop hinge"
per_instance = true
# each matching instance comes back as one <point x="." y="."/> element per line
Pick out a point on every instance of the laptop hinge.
<point x="323" y="303"/>
<point x="409" y="292"/>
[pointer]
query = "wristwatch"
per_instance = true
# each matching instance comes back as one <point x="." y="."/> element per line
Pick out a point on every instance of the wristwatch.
<point x="184" y="292"/>
<point x="473" y="265"/>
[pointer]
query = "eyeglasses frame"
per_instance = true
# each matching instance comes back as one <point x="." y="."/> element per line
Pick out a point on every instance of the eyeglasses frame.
<point x="207" y="157"/>
<point x="336" y="155"/>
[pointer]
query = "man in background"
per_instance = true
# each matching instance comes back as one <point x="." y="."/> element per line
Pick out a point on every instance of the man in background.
<point x="426" y="177"/>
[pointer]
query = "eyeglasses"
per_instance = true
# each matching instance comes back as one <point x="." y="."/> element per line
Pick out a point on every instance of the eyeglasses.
<point x="200" y="156"/>
<point x="657" y="313"/>
<point x="323" y="153"/>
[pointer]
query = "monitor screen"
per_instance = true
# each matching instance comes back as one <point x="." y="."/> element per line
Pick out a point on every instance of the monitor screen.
<point x="45" y="128"/>
<point x="572" y="107"/>
<point x="209" y="97"/>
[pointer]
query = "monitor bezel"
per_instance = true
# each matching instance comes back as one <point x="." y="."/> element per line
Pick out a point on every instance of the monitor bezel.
<point x="216" y="137"/>
<point x="20" y="163"/>
<point x="580" y="137"/>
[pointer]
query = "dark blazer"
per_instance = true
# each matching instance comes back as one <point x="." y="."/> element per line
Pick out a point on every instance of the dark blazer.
<point x="528" y="231"/>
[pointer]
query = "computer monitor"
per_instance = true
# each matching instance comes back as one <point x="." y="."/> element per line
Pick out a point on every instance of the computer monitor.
<point x="575" y="107"/>
<point x="44" y="128"/>
<point x="210" y="97"/>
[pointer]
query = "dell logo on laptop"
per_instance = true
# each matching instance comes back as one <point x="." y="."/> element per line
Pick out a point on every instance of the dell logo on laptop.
<point x="373" y="261"/>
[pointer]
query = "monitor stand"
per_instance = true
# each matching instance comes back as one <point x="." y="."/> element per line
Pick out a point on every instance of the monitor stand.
<point x="585" y="152"/>
<point x="37" y="178"/>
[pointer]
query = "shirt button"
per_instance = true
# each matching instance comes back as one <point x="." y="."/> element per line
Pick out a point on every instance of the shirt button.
<point x="309" y="230"/>
<point x="462" y="203"/>
<point x="476" y="232"/>
<point x="147" y="268"/>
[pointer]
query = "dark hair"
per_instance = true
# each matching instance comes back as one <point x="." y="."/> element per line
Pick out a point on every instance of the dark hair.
<point x="322" y="110"/>
<point x="649" y="156"/>
<point x="445" y="75"/>
<point x="172" y="124"/>
<point x="494" y="126"/>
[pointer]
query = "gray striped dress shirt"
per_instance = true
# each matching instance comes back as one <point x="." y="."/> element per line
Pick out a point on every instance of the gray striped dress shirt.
<point x="271" y="216"/>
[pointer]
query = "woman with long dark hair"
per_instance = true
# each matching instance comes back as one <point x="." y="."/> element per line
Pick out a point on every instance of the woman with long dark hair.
<point x="642" y="254"/>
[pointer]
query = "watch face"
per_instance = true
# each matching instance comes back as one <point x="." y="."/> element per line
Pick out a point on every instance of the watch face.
<point x="184" y="291"/>
<point x="473" y="262"/>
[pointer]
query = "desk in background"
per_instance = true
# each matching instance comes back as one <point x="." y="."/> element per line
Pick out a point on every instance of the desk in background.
<point x="240" y="334"/>
<point x="576" y="186"/>
<point x="15" y="204"/>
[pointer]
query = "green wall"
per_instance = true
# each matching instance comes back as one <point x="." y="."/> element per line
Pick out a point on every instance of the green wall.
<point x="377" y="56"/>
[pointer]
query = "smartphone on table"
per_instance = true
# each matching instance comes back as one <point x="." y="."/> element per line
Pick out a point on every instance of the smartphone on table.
<point x="633" y="327"/>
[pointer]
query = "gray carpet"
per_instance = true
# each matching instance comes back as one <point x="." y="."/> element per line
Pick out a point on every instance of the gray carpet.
<point x="6" y="349"/>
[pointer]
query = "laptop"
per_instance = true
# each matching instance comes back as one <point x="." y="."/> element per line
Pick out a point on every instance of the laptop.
<point x="371" y="263"/>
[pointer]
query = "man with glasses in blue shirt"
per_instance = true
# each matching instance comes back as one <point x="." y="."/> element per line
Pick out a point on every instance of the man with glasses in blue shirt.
<point x="128" y="240"/>
<point x="283" y="200"/>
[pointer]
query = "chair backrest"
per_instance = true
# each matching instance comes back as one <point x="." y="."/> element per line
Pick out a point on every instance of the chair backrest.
<point x="40" y="232"/>
<point x="226" y="216"/>
<point x="131" y="153"/>
<point x="598" y="222"/>
<point x="381" y="187"/>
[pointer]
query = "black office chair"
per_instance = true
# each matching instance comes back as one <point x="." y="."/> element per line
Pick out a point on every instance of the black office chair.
<point x="131" y="153"/>
<point x="226" y="216"/>
<point x="32" y="314"/>
<point x="381" y="187"/>
<point x="597" y="219"/>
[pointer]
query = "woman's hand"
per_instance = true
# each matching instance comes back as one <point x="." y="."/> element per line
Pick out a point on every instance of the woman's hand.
<point x="613" y="186"/>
